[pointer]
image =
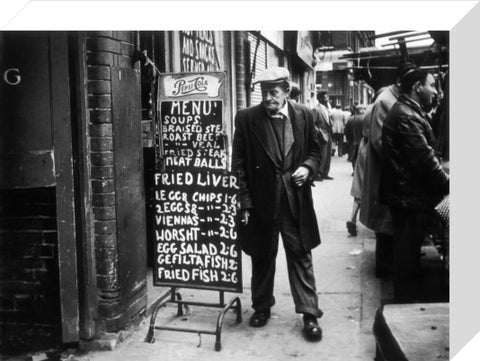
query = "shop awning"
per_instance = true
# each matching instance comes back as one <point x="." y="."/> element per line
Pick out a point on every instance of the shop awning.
<point x="377" y="66"/>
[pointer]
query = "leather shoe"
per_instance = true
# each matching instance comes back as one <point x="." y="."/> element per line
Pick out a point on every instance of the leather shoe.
<point x="259" y="318"/>
<point x="352" y="228"/>
<point x="311" y="329"/>
<point x="327" y="177"/>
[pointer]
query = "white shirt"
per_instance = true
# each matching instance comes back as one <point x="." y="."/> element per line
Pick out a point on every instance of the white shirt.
<point x="284" y="110"/>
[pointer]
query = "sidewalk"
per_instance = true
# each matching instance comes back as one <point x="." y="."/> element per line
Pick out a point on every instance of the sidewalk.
<point x="349" y="295"/>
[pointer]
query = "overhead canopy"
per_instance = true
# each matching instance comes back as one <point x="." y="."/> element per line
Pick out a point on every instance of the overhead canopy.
<point x="378" y="66"/>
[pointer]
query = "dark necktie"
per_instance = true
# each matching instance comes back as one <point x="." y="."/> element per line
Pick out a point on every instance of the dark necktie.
<point x="278" y="124"/>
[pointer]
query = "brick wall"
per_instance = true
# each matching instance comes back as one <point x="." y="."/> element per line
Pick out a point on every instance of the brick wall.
<point x="105" y="49"/>
<point x="29" y="291"/>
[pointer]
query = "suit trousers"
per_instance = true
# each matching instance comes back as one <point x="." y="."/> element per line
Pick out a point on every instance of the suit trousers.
<point x="299" y="267"/>
<point x="409" y="227"/>
<point x="326" y="160"/>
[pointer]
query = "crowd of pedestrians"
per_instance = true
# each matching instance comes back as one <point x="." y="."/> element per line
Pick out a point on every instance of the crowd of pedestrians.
<point x="281" y="147"/>
<point x="399" y="168"/>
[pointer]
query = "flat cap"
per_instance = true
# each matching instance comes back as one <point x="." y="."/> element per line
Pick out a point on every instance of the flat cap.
<point x="272" y="75"/>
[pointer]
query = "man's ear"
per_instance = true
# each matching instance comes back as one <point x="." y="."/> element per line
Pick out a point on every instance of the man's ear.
<point x="417" y="85"/>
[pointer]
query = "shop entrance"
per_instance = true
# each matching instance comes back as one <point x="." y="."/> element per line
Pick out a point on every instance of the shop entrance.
<point x="37" y="218"/>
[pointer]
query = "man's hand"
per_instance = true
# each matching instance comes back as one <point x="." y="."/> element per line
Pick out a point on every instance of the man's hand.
<point x="300" y="176"/>
<point x="245" y="216"/>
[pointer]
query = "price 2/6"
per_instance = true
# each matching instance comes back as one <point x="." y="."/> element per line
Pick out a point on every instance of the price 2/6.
<point x="227" y="233"/>
<point x="228" y="250"/>
<point x="228" y="277"/>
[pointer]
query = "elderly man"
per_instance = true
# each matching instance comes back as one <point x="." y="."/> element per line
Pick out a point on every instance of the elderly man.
<point x="412" y="179"/>
<point x="276" y="154"/>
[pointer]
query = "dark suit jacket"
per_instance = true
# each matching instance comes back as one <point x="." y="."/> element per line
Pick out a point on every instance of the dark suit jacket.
<point x="257" y="159"/>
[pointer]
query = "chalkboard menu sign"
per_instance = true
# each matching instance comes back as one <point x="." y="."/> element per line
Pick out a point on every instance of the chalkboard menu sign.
<point x="196" y="195"/>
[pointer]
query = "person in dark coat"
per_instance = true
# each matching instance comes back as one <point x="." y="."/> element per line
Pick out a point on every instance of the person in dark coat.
<point x="353" y="133"/>
<point x="373" y="214"/>
<point x="276" y="155"/>
<point x="323" y="125"/>
<point x="412" y="180"/>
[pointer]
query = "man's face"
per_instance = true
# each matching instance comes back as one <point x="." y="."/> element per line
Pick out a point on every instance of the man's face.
<point x="427" y="91"/>
<point x="274" y="97"/>
<point x="324" y="100"/>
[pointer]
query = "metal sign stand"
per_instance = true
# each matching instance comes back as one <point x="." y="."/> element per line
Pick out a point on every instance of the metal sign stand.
<point x="173" y="296"/>
<point x="191" y="107"/>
